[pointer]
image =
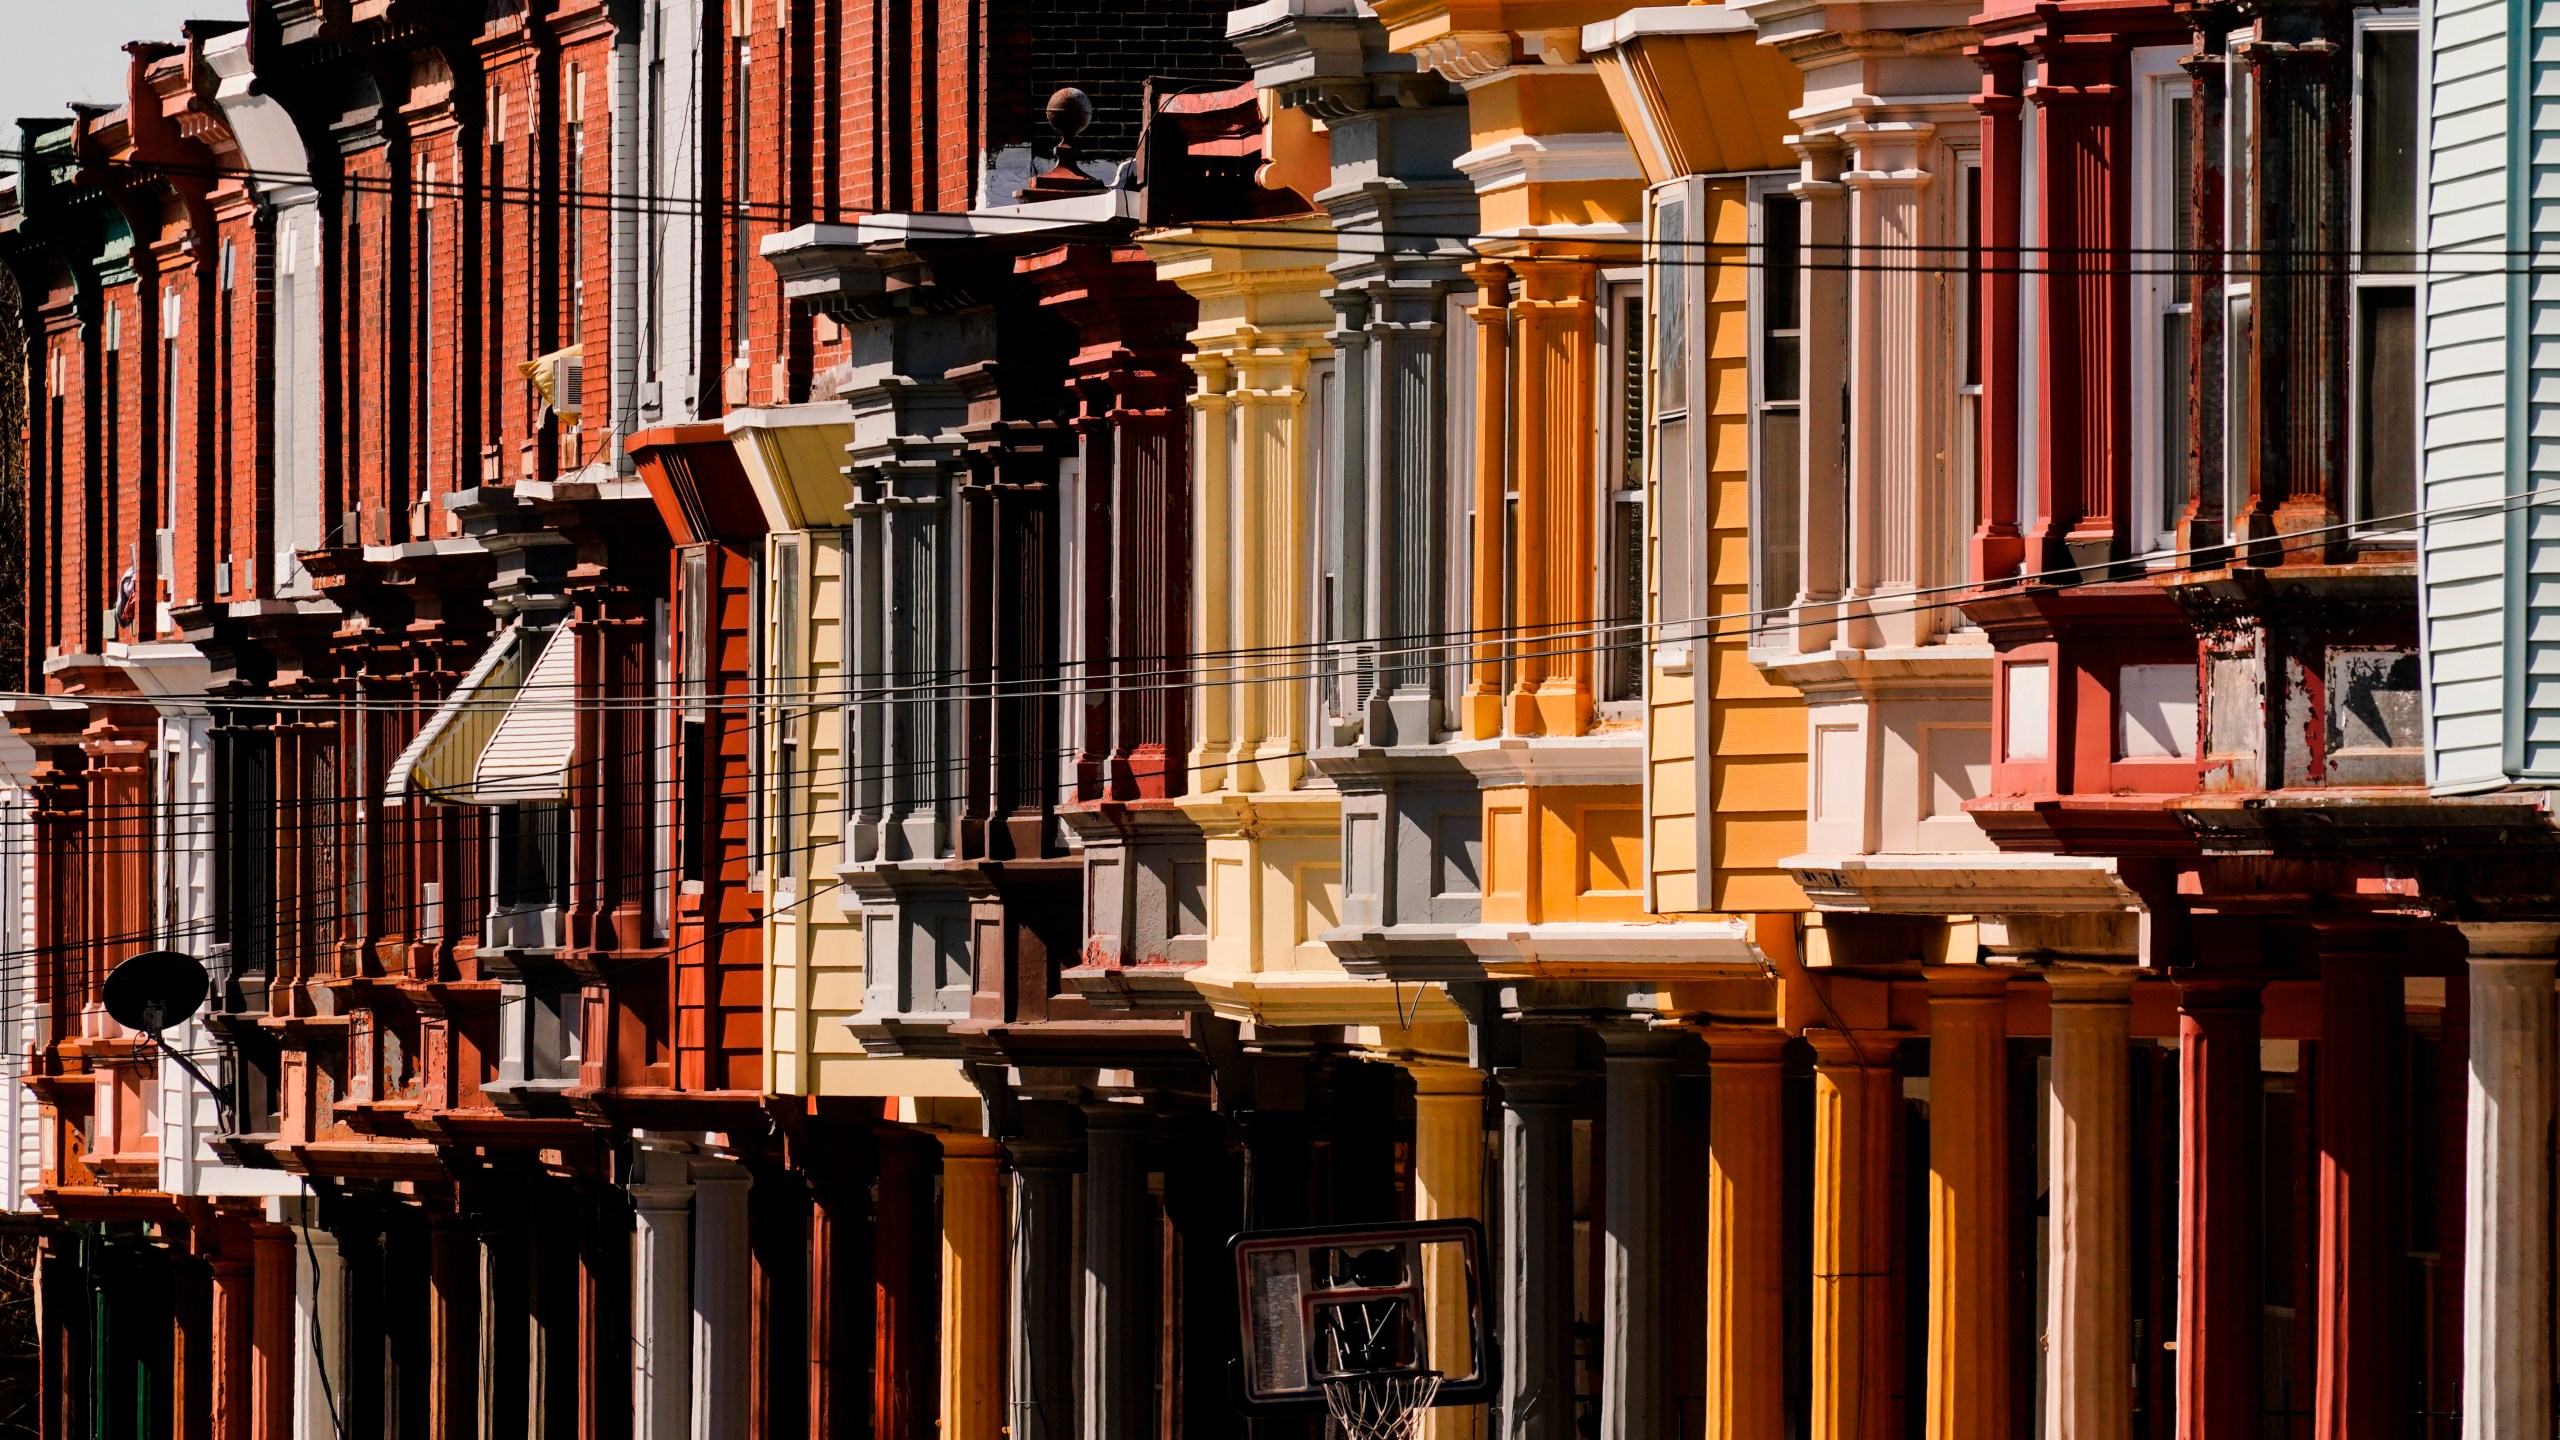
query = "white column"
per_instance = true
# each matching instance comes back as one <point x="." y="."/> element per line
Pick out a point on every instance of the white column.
<point x="723" y="1310"/>
<point x="661" y="1296"/>
<point x="319" y="1314"/>
<point x="2089" y="1353"/>
<point x="2507" y="1219"/>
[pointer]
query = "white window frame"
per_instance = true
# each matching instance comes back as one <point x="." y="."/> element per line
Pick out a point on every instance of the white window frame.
<point x="1680" y="503"/>
<point x="1965" y="474"/>
<point x="1621" y="289"/>
<point x="1770" y="630"/>
<point x="2029" y="263"/>
<point x="2362" y="278"/>
<point x="2240" y="267"/>
<point x="2160" y="288"/>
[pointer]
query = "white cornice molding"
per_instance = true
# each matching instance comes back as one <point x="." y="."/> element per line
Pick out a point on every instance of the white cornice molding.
<point x="1550" y="160"/>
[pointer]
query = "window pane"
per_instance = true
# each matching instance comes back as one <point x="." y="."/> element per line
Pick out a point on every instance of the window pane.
<point x="1671" y="265"/>
<point x="2386" y="404"/>
<point x="1776" y="530"/>
<point x="2387" y="148"/>
<point x="2173" y="420"/>
<point x="1781" y="376"/>
<point x="2180" y="165"/>
<point x="1970" y="300"/>
<point x="2240" y="423"/>
<point x="1626" y="602"/>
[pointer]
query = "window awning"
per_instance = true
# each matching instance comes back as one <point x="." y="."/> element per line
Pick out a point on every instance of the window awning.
<point x="527" y="758"/>
<point x="438" y="764"/>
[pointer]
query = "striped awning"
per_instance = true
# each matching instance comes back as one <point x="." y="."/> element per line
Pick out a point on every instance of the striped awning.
<point x="527" y="758"/>
<point x="438" y="764"/>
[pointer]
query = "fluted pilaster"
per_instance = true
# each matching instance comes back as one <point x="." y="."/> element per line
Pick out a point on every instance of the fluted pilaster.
<point x="1746" y="1238"/>
<point x="2089" y="1347"/>
<point x="1043" y="1266"/>
<point x="973" y="1319"/>
<point x="1119" y="1333"/>
<point x="1968" y="1380"/>
<point x="1855" y="1342"/>
<point x="1636" y="1294"/>
<point x="2507" y="1227"/>
<point x="2219" y="1309"/>
<point x="1536" y="1319"/>
<point x="1448" y="1184"/>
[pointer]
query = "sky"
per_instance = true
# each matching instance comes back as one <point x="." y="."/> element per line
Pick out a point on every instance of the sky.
<point x="53" y="52"/>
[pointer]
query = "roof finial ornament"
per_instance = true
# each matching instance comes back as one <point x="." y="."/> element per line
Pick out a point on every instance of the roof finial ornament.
<point x="1070" y="110"/>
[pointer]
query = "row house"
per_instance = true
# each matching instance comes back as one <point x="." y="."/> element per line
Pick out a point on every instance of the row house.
<point x="1863" y="670"/>
<point x="434" y="709"/>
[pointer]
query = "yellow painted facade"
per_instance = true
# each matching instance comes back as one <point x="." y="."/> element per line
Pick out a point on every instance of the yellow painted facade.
<point x="794" y="458"/>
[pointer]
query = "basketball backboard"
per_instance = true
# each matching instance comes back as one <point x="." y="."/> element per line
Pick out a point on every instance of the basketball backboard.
<point x="1355" y="1300"/>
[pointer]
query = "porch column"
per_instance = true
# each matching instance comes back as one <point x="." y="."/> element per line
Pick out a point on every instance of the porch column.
<point x="1746" y="1237"/>
<point x="2506" y="1244"/>
<point x="271" y="1349"/>
<point x="902" y="1281"/>
<point x="973" y="1318"/>
<point x="1968" y="1381"/>
<point x="1448" y="1184"/>
<point x="2219" y="1311"/>
<point x="1635" y="1399"/>
<point x="2089" y="1346"/>
<point x="233" y="1273"/>
<point x="661" y="1297"/>
<point x="841" y="1293"/>
<point x="1044" y="1289"/>
<point x="723" y="1309"/>
<point x="1119" y="1338"/>
<point x="320" y="1342"/>
<point x="1536" y="1306"/>
<point x="1855" y="1348"/>
<point x="2362" y="1169"/>
<point x="453" y="1316"/>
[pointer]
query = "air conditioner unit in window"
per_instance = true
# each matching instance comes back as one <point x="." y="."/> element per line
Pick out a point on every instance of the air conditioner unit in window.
<point x="559" y="378"/>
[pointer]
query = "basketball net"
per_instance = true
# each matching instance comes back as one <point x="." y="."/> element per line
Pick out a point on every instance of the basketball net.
<point x="1381" y="1404"/>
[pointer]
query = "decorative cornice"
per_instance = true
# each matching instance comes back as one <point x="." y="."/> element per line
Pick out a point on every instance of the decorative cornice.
<point x="1550" y="160"/>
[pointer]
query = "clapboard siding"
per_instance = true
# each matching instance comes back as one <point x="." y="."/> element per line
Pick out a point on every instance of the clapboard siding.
<point x="2466" y="397"/>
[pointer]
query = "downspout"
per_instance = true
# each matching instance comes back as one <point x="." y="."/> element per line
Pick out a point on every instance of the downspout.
<point x="2519" y="399"/>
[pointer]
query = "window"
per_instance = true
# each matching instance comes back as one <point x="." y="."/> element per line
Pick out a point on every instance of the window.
<point x="529" y="852"/>
<point x="424" y="295"/>
<point x="741" y="251"/>
<point x="2240" y="267"/>
<point x="1967" y="449"/>
<point x="788" y="684"/>
<point x="2164" y="235"/>
<point x="2384" y="396"/>
<point x="1620" y="641"/>
<point x="2030" y="266"/>
<point x="1678" y="494"/>
<point x="1777" y="403"/>
<point x="573" y="212"/>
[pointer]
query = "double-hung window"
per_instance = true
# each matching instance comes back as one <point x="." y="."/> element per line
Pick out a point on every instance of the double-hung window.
<point x="1680" y="510"/>
<point x="2164" y="237"/>
<point x="2240" y="270"/>
<point x="1619" y="637"/>
<point x="1777" y="400"/>
<point x="2383" y="391"/>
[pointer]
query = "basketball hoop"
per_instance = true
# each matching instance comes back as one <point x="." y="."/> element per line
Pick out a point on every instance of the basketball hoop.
<point x="1381" y="1404"/>
<point x="1373" y="1324"/>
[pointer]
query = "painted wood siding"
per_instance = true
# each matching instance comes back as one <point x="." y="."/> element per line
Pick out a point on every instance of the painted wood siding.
<point x="1752" y="730"/>
<point x="2492" y="405"/>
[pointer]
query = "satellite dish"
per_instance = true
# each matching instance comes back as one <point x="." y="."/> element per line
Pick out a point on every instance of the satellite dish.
<point x="157" y="989"/>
